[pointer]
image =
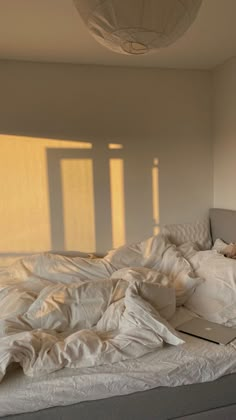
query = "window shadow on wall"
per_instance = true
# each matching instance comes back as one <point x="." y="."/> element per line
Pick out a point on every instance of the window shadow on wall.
<point x="89" y="197"/>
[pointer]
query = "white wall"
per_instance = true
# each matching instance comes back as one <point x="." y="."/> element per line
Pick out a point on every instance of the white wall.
<point x="153" y="114"/>
<point x="225" y="135"/>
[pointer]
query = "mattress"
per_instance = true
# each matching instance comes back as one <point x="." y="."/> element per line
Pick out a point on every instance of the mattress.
<point x="194" y="362"/>
<point x="160" y="403"/>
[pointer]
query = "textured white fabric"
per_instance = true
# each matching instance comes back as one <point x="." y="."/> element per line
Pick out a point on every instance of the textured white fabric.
<point x="58" y="312"/>
<point x="215" y="298"/>
<point x="48" y="338"/>
<point x="145" y="275"/>
<point x="219" y="245"/>
<point x="146" y="253"/>
<point x="8" y="259"/>
<point x="198" y="232"/>
<point x="193" y="362"/>
<point x="158" y="254"/>
<point x="177" y="276"/>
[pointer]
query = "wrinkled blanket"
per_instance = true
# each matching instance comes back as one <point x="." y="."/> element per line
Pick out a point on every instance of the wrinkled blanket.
<point x="59" y="312"/>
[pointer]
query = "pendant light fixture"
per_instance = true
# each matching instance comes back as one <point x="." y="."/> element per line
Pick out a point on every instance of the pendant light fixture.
<point x="137" y="26"/>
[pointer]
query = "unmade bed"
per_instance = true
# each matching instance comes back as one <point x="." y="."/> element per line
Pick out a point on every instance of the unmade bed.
<point x="158" y="385"/>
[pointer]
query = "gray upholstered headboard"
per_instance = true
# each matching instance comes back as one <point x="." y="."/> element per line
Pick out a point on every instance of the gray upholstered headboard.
<point x="223" y="224"/>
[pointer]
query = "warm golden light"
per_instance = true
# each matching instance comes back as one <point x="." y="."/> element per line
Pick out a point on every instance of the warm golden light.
<point x="44" y="142"/>
<point x="117" y="201"/>
<point x="48" y="199"/>
<point x="25" y="221"/>
<point x="155" y="196"/>
<point x="78" y="204"/>
<point x="115" y="146"/>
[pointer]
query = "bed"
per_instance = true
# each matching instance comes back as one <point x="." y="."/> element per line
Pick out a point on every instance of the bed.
<point x="208" y="400"/>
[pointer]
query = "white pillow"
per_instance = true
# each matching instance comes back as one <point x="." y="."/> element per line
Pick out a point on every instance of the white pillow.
<point x="198" y="232"/>
<point x="219" y="245"/>
<point x="215" y="298"/>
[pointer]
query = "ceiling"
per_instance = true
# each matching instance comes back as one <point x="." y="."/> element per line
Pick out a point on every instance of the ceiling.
<point x="52" y="31"/>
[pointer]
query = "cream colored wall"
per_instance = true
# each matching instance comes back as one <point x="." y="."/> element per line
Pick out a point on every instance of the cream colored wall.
<point x="225" y="135"/>
<point x="159" y="123"/>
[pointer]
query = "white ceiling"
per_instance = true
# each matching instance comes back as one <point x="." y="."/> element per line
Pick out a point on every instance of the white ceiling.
<point x="52" y="31"/>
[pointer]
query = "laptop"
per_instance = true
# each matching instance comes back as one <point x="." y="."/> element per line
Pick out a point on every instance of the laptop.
<point x="209" y="331"/>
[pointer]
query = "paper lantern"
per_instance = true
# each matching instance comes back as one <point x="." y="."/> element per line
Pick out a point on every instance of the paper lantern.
<point x="137" y="26"/>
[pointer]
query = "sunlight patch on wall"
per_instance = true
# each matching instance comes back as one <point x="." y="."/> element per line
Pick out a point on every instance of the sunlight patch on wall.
<point x="48" y="198"/>
<point x="45" y="142"/>
<point x="78" y="204"/>
<point x="117" y="201"/>
<point x="115" y="146"/>
<point x="66" y="144"/>
<point x="155" y="196"/>
<point x="24" y="205"/>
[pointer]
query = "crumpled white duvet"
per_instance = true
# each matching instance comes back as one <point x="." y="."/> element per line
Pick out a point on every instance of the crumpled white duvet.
<point x="57" y="312"/>
<point x="86" y="314"/>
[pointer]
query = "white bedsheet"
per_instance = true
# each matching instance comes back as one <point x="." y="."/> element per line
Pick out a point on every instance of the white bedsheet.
<point x="195" y="361"/>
